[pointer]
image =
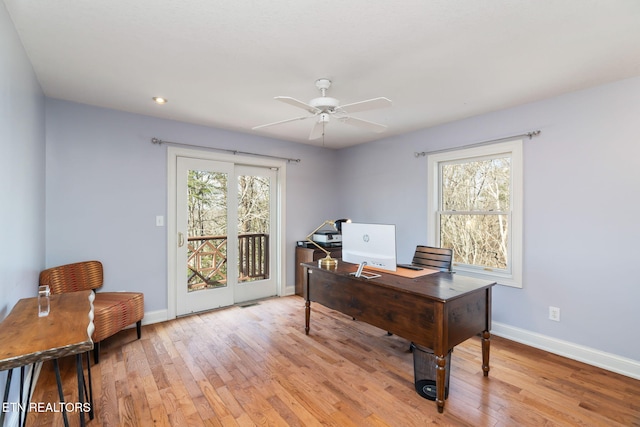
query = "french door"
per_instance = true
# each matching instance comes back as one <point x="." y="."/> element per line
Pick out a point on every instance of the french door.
<point x="226" y="234"/>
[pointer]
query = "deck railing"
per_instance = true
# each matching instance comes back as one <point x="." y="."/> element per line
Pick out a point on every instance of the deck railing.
<point x="207" y="260"/>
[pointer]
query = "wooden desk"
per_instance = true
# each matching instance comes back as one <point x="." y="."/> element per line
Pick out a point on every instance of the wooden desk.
<point x="437" y="311"/>
<point x="26" y="338"/>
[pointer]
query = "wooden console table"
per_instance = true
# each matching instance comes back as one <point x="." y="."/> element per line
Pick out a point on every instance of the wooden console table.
<point x="27" y="339"/>
<point x="437" y="311"/>
<point x="309" y="253"/>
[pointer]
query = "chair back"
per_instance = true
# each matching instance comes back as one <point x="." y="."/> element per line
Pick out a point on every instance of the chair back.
<point x="436" y="258"/>
<point x="79" y="276"/>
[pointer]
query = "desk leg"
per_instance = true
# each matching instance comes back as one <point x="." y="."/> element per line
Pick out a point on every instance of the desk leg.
<point x="486" y="342"/>
<point x="307" y="316"/>
<point x="441" y="374"/>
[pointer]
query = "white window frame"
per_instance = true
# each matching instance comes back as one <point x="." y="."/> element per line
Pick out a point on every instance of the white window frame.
<point x="512" y="276"/>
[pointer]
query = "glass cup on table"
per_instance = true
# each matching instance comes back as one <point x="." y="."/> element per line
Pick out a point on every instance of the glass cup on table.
<point x="43" y="300"/>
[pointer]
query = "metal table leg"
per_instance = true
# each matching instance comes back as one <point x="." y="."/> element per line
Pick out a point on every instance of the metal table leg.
<point x="5" y="399"/>
<point x="89" y="398"/>
<point x="60" y="393"/>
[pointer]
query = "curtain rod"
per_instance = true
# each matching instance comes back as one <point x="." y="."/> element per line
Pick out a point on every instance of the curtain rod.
<point x="477" y="144"/>
<point x="236" y="152"/>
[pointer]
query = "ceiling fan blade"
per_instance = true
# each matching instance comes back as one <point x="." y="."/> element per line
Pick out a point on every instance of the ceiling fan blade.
<point x="369" y="104"/>
<point x="317" y="131"/>
<point x="364" y="124"/>
<point x="281" y="122"/>
<point x="299" y="104"/>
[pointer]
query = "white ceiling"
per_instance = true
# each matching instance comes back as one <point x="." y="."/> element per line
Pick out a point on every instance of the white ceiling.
<point x="220" y="63"/>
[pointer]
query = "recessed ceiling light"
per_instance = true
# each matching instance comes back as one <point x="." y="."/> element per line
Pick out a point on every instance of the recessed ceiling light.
<point x="160" y="100"/>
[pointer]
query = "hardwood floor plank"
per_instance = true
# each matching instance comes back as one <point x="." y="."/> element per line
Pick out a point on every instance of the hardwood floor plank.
<point x="126" y="411"/>
<point x="231" y="403"/>
<point x="285" y="411"/>
<point x="313" y="403"/>
<point x="255" y="366"/>
<point x="219" y="408"/>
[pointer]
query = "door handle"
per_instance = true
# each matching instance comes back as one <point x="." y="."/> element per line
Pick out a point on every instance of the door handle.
<point x="180" y="240"/>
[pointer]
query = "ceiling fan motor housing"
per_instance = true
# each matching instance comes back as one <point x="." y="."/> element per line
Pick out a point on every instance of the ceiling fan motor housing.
<point x="325" y="103"/>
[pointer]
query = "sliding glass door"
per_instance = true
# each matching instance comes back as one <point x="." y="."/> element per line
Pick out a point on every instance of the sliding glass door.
<point x="226" y="234"/>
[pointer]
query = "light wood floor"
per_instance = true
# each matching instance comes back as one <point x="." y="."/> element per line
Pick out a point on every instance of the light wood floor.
<point x="255" y="366"/>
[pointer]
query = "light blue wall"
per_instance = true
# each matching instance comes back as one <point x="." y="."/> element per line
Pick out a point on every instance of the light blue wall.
<point x="581" y="229"/>
<point x="106" y="182"/>
<point x="22" y="159"/>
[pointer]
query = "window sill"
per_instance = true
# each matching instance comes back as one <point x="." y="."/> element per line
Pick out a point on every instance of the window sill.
<point x="500" y="279"/>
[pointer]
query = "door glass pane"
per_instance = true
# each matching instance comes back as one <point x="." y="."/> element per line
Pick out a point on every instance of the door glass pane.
<point x="253" y="228"/>
<point x="207" y="230"/>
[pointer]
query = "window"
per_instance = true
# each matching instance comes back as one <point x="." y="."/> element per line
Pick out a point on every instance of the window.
<point x="475" y="208"/>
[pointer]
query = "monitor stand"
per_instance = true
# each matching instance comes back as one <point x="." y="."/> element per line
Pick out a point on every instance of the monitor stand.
<point x="360" y="273"/>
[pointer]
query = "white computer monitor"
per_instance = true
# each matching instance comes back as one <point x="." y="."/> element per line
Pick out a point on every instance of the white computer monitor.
<point x="374" y="244"/>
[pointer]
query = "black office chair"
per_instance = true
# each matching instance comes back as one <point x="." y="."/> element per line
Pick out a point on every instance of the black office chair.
<point x="435" y="258"/>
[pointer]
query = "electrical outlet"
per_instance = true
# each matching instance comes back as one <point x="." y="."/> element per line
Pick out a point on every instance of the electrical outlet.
<point x="554" y="314"/>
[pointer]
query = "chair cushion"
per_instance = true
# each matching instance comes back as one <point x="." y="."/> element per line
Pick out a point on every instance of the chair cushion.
<point x="113" y="311"/>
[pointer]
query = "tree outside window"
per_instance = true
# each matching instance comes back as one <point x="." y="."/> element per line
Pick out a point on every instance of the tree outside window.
<point x="476" y="209"/>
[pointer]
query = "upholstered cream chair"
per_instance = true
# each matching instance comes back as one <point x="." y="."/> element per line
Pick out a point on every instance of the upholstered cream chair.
<point x="113" y="311"/>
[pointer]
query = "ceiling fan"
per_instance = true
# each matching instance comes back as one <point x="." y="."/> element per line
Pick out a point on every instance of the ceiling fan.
<point x="324" y="107"/>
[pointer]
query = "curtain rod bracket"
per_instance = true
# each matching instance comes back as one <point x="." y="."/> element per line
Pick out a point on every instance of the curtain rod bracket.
<point x="532" y="134"/>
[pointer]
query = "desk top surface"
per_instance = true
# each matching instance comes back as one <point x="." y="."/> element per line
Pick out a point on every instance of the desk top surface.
<point x="26" y="338"/>
<point x="442" y="286"/>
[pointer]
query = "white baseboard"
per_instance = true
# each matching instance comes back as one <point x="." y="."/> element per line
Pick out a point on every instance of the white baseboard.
<point x="155" y="317"/>
<point x="590" y="356"/>
<point x="151" y="317"/>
